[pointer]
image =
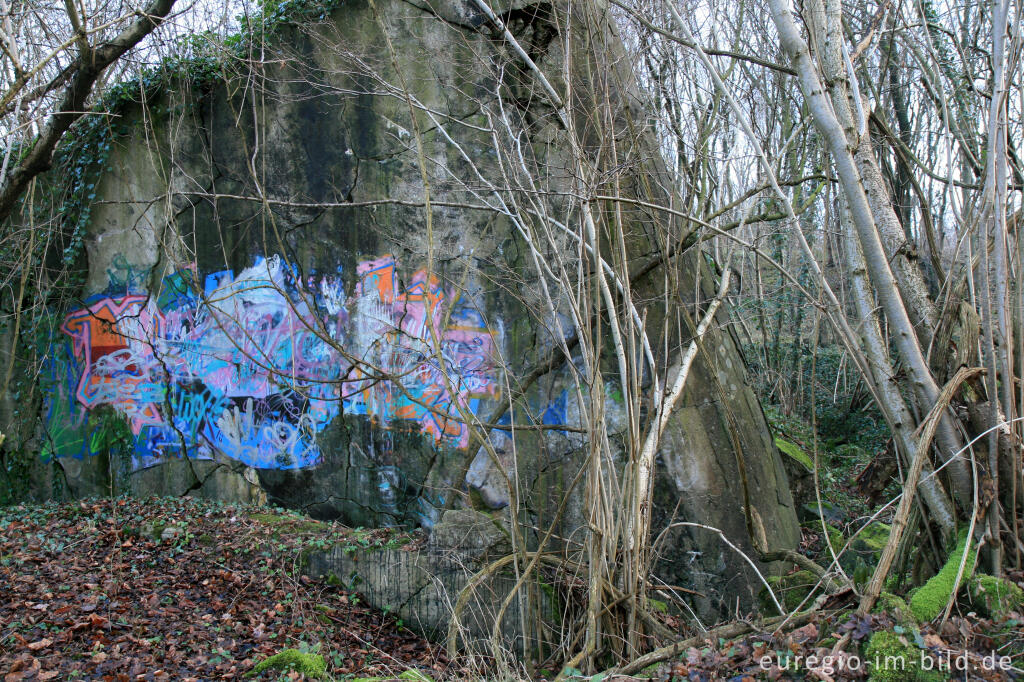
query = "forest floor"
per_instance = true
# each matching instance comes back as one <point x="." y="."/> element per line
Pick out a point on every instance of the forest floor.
<point x="184" y="589"/>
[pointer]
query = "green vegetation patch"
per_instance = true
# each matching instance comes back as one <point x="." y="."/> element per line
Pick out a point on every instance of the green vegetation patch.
<point x="412" y="675"/>
<point x="891" y="659"/>
<point x="272" y="519"/>
<point x="994" y="596"/>
<point x="294" y="523"/>
<point x="895" y="606"/>
<point x="873" y="537"/>
<point x="835" y="536"/>
<point x="866" y="548"/>
<point x="311" y="665"/>
<point x="929" y="601"/>
<point x="793" y="450"/>
<point x="792" y="590"/>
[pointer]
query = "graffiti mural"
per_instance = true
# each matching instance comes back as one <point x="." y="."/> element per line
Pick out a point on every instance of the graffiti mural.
<point x="439" y="351"/>
<point x="258" y="364"/>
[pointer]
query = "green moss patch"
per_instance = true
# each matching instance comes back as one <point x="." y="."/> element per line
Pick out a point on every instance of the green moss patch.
<point x="311" y="665"/>
<point x="272" y="519"/>
<point x="929" y="601"/>
<point x="872" y="538"/>
<point x="994" y="596"/>
<point x="835" y="537"/>
<point x="290" y="523"/>
<point x="891" y="659"/>
<point x="791" y="590"/>
<point x="793" y="450"/>
<point x="896" y="607"/>
<point x="866" y="547"/>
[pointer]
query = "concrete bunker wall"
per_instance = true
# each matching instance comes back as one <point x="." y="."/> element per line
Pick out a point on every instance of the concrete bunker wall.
<point x="266" y="316"/>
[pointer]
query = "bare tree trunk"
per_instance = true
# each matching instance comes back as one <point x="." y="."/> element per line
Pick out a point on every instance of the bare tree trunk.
<point x="87" y="71"/>
<point x="994" y="276"/>
<point x="901" y="422"/>
<point x="876" y="259"/>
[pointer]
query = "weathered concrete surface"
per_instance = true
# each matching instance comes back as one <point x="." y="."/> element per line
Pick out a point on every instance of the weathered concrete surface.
<point x="422" y="586"/>
<point x="322" y="130"/>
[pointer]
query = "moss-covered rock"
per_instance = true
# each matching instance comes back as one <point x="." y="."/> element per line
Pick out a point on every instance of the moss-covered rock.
<point x="312" y="666"/>
<point x="929" y="601"/>
<point x="872" y="538"/>
<point x="835" y="536"/>
<point x="158" y="530"/>
<point x="791" y="590"/>
<point x="995" y="596"/>
<point x="891" y="659"/>
<point x="152" y="530"/>
<point x="272" y="519"/>
<point x="288" y="523"/>
<point x="791" y="449"/>
<point x="812" y="511"/>
<point x="866" y="547"/>
<point x="896" y="607"/>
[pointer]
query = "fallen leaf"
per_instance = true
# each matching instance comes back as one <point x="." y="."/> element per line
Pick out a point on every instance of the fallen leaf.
<point x="41" y="644"/>
<point x="807" y="633"/>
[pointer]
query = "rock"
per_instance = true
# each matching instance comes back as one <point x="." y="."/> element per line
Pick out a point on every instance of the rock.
<point x="792" y="590"/>
<point x="799" y="471"/>
<point x="171" y="533"/>
<point x="831" y="513"/>
<point x="158" y="530"/>
<point x="866" y="547"/>
<point x="871" y="539"/>
<point x="152" y="530"/>
<point x="793" y="452"/>
<point x="470" y="531"/>
<point x="423" y="586"/>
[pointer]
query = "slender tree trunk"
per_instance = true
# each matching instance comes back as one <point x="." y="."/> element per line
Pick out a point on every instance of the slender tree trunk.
<point x="901" y="327"/>
<point x="994" y="271"/>
<point x="900" y="420"/>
